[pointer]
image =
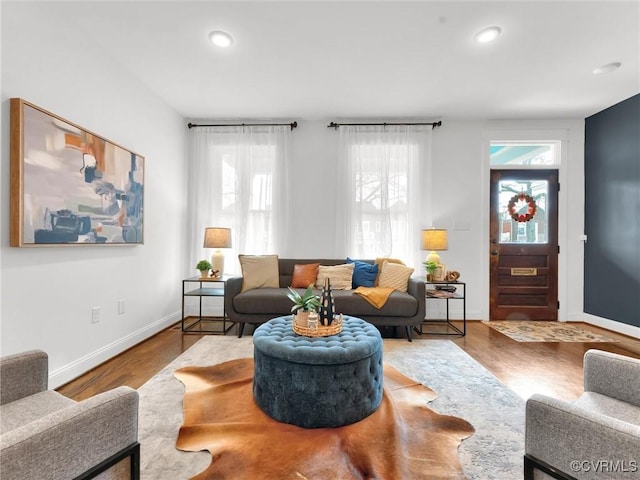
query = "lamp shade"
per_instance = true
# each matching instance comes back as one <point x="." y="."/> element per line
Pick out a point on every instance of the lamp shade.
<point x="216" y="237"/>
<point x="434" y="239"/>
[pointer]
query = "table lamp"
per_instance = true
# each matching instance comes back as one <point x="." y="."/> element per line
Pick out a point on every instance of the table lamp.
<point x="434" y="239"/>
<point x="217" y="237"/>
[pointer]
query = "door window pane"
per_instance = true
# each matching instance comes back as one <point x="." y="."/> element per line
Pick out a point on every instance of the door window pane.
<point x="522" y="211"/>
<point x="531" y="154"/>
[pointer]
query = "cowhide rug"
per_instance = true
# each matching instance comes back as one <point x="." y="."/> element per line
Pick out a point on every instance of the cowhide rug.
<point x="403" y="439"/>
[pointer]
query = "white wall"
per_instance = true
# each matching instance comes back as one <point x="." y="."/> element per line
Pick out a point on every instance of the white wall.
<point x="47" y="293"/>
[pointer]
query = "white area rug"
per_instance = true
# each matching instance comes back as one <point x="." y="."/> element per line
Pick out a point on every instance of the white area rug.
<point x="465" y="389"/>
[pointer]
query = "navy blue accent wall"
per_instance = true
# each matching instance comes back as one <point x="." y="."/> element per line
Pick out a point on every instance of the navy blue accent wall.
<point x="612" y="213"/>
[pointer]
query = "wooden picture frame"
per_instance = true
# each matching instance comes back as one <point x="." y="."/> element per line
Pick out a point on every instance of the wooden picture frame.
<point x="70" y="186"/>
<point x="440" y="273"/>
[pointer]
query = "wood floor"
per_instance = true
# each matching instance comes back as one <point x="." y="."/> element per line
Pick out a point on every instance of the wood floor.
<point x="526" y="368"/>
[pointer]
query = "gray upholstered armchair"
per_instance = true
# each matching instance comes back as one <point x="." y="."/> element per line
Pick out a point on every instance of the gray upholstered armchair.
<point x="45" y="435"/>
<point x="595" y="436"/>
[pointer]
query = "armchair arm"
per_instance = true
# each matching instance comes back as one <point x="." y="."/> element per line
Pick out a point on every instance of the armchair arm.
<point x="613" y="375"/>
<point x="68" y="442"/>
<point x="23" y="374"/>
<point x="561" y="434"/>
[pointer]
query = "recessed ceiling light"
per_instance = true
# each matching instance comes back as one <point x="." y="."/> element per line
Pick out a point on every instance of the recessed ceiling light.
<point x="488" y="34"/>
<point x="608" y="68"/>
<point x="220" y="39"/>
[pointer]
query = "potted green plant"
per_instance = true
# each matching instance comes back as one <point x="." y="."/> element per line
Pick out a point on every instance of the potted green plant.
<point x="431" y="268"/>
<point x="303" y="304"/>
<point x="204" y="266"/>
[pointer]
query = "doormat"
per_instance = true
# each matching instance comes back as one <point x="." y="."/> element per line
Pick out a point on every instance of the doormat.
<point x="543" y="331"/>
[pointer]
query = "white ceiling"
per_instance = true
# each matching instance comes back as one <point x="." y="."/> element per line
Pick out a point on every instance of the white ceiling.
<point x="363" y="59"/>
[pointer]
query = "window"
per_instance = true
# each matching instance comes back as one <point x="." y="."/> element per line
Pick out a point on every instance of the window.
<point x="382" y="167"/>
<point x="236" y="177"/>
<point x="525" y="154"/>
<point x="533" y="230"/>
<point x="246" y="186"/>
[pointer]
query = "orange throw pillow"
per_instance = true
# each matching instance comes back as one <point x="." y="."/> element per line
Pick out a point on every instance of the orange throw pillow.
<point x="304" y="275"/>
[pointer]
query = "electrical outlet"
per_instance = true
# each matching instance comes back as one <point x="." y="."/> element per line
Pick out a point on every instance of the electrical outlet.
<point x="121" y="304"/>
<point x="95" y="314"/>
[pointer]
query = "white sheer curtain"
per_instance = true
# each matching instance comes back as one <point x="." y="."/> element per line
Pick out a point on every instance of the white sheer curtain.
<point x="382" y="168"/>
<point x="238" y="179"/>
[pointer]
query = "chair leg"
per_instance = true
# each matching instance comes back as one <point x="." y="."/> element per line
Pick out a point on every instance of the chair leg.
<point x="408" y="330"/>
<point x="532" y="463"/>
<point x="528" y="468"/>
<point x="135" y="463"/>
<point x="240" y="329"/>
<point x="132" y="451"/>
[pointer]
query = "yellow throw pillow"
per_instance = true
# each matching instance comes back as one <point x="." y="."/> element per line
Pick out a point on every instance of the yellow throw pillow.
<point x="339" y="276"/>
<point x="259" y="271"/>
<point x="395" y="276"/>
<point x="379" y="261"/>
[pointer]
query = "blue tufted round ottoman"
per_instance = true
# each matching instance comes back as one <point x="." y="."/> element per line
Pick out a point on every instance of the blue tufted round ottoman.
<point x="321" y="381"/>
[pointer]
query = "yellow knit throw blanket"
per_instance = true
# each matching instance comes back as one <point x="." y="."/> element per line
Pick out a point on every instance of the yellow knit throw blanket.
<point x="376" y="296"/>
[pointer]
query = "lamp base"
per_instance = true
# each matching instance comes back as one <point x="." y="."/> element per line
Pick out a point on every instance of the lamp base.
<point x="432" y="257"/>
<point x="217" y="262"/>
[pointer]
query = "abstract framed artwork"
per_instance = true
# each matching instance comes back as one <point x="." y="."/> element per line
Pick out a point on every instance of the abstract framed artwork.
<point x="70" y="186"/>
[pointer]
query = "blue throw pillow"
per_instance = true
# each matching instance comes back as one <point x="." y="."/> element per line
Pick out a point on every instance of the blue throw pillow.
<point x="364" y="274"/>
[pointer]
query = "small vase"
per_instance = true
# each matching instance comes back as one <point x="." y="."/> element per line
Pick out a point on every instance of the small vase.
<point x="301" y="318"/>
<point x="204" y="273"/>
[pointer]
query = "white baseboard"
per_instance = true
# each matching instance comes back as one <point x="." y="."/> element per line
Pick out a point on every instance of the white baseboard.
<point x="614" y="326"/>
<point x="68" y="372"/>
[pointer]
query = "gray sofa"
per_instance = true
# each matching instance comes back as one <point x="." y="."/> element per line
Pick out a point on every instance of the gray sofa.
<point x="47" y="436"/>
<point x="261" y="304"/>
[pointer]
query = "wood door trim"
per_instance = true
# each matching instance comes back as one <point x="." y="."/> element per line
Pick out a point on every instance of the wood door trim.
<point x="546" y="290"/>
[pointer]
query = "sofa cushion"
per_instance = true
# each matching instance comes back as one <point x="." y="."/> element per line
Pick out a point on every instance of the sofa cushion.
<point x="339" y="276"/>
<point x="364" y="273"/>
<point x="259" y="271"/>
<point x="611" y="407"/>
<point x="398" y="305"/>
<point x="274" y="301"/>
<point x="263" y="301"/>
<point x="304" y="275"/>
<point x="28" y="409"/>
<point x="394" y="275"/>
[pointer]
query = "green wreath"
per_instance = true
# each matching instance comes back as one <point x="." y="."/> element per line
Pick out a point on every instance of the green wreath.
<point x="531" y="207"/>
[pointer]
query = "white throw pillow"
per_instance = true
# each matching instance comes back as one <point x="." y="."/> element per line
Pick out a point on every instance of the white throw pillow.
<point x="395" y="276"/>
<point x="339" y="276"/>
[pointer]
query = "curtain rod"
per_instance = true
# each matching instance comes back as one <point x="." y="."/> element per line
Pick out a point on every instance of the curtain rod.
<point x="292" y="125"/>
<point x="336" y="125"/>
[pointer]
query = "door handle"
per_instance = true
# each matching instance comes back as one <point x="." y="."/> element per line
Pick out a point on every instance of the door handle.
<point x="494" y="240"/>
<point x="494" y="252"/>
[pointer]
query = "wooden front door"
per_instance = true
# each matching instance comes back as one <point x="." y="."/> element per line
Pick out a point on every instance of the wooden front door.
<point x="523" y="248"/>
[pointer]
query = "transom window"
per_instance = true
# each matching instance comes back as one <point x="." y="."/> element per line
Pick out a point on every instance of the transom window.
<point x="524" y="154"/>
